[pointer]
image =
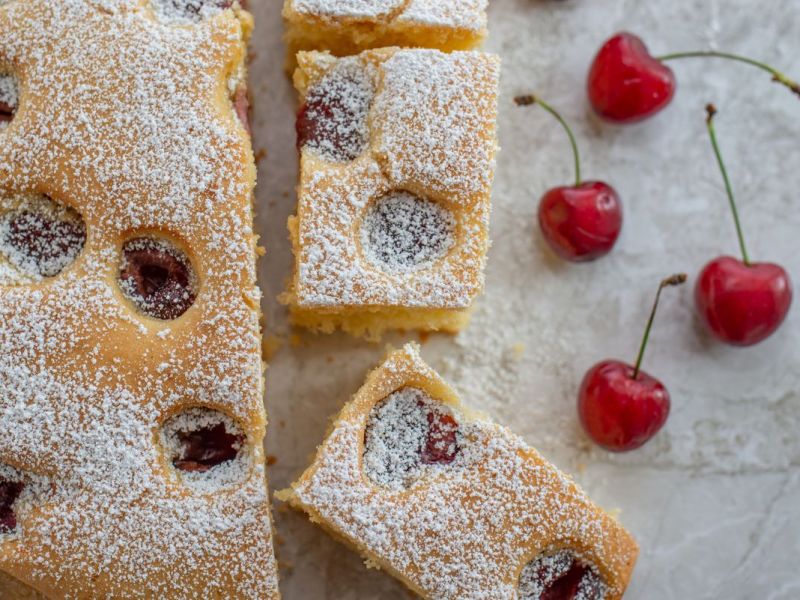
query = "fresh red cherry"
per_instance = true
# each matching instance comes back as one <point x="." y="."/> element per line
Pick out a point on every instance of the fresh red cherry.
<point x="626" y="84"/>
<point x="741" y="302"/>
<point x="620" y="406"/>
<point x="580" y="222"/>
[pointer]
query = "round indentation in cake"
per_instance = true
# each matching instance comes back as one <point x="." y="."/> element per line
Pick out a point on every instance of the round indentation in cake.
<point x="402" y="232"/>
<point x="332" y="121"/>
<point x="10" y="491"/>
<point x="41" y="237"/>
<point x="183" y="12"/>
<point x="207" y="447"/>
<point x="157" y="277"/>
<point x="9" y="98"/>
<point x="560" y="575"/>
<point x="407" y="434"/>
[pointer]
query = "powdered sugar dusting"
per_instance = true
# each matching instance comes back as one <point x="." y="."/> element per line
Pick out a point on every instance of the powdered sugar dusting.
<point x="38" y="237"/>
<point x="539" y="576"/>
<point x="226" y="473"/>
<point x="331" y="269"/>
<point x="396" y="435"/>
<point x="402" y="232"/>
<point x="183" y="12"/>
<point x="9" y="97"/>
<point x="333" y="121"/>
<point x="123" y="123"/>
<point x="466" y="14"/>
<point x="468" y="531"/>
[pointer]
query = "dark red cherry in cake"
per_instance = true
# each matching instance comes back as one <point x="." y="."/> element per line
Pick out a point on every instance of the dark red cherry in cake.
<point x="626" y="84"/>
<point x="157" y="277"/>
<point x="6" y="112"/>
<point x="620" y="406"/>
<point x="9" y="492"/>
<point x="580" y="222"/>
<point x="43" y="241"/>
<point x="332" y="120"/>
<point x="441" y="444"/>
<point x="560" y="576"/>
<point x="741" y="302"/>
<point x="207" y="447"/>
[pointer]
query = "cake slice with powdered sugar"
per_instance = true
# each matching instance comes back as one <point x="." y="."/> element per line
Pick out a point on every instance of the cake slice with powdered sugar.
<point x="453" y="505"/>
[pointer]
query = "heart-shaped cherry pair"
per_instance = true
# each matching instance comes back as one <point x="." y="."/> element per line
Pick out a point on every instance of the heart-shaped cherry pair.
<point x="620" y="406"/>
<point x="580" y="222"/>
<point x="626" y="84"/>
<point x="741" y="302"/>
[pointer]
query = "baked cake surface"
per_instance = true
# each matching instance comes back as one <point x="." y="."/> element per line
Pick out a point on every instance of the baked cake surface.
<point x="453" y="505"/>
<point x="397" y="161"/>
<point x="131" y="415"/>
<point x="348" y="26"/>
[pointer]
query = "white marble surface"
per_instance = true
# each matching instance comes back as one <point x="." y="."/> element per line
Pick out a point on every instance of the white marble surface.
<point x="715" y="499"/>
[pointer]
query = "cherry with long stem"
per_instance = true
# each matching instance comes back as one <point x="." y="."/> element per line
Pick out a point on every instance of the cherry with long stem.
<point x="741" y="302"/>
<point x="580" y="222"/>
<point x="711" y="110"/>
<point x="676" y="279"/>
<point x="529" y="99"/>
<point x="777" y="76"/>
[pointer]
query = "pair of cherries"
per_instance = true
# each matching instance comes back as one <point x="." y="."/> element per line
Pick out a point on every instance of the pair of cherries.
<point x="741" y="302"/>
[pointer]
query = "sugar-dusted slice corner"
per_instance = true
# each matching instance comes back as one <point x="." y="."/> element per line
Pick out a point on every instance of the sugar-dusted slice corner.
<point x="346" y="27"/>
<point x="397" y="151"/>
<point x="453" y="505"/>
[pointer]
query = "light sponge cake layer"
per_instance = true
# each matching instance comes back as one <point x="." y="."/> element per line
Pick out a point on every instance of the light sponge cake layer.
<point x="455" y="506"/>
<point x="131" y="410"/>
<point x="346" y="27"/>
<point x="397" y="161"/>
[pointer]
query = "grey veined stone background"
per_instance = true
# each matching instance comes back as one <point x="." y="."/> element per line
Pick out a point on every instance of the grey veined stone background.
<point x="714" y="499"/>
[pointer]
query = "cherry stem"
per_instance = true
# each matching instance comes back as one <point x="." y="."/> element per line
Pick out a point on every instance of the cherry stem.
<point x="711" y="110"/>
<point x="529" y="99"/>
<point x="676" y="279"/>
<point x="777" y="76"/>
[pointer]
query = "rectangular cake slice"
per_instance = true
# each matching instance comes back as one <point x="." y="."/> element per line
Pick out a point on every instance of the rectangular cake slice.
<point x="131" y="381"/>
<point x="349" y="26"/>
<point x="453" y="505"/>
<point x="397" y="161"/>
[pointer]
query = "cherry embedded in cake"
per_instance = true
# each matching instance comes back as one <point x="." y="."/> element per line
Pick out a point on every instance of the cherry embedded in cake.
<point x="9" y="492"/>
<point x="332" y="121"/>
<point x="207" y="447"/>
<point x="189" y="11"/>
<point x="9" y="98"/>
<point x="407" y="433"/>
<point x="200" y="440"/>
<point x="41" y="238"/>
<point x="560" y="576"/>
<point x="403" y="232"/>
<point x="157" y="277"/>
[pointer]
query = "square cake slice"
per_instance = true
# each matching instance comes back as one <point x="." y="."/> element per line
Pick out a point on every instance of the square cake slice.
<point x="397" y="161"/>
<point x="346" y="27"/>
<point x="453" y="505"/>
<point x="131" y="381"/>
